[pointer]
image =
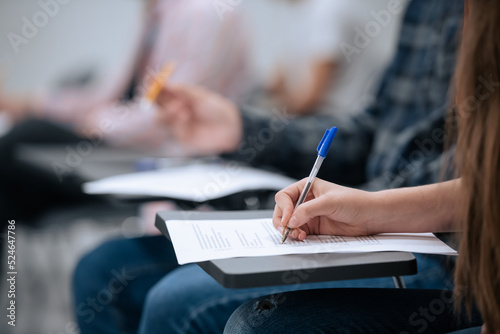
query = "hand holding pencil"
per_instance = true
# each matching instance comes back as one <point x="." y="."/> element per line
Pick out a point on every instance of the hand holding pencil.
<point x="156" y="85"/>
<point x="202" y="121"/>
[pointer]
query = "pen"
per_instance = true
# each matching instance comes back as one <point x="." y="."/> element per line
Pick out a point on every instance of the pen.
<point x="323" y="147"/>
<point x="156" y="86"/>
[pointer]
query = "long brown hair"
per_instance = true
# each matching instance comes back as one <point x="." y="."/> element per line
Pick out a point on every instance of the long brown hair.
<point x="478" y="159"/>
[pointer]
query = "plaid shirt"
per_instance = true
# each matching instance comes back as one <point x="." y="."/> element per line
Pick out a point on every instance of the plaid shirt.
<point x="396" y="142"/>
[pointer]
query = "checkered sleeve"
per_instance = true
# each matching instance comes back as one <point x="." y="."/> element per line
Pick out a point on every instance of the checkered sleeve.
<point x="289" y="144"/>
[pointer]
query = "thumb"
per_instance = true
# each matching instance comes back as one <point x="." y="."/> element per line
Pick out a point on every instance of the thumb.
<point x="309" y="210"/>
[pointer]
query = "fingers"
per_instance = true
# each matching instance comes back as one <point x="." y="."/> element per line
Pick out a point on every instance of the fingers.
<point x="294" y="190"/>
<point x="284" y="209"/>
<point x="285" y="201"/>
<point x="309" y="210"/>
<point x="189" y="94"/>
<point x="285" y="214"/>
<point x="328" y="209"/>
<point x="298" y="234"/>
<point x="277" y="216"/>
<point x="173" y="107"/>
<point x="171" y="97"/>
<point x="279" y="222"/>
<point x="281" y="217"/>
<point x="170" y="91"/>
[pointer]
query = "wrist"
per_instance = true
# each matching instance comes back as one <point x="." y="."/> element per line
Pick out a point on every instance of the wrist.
<point x="394" y="211"/>
<point x="378" y="215"/>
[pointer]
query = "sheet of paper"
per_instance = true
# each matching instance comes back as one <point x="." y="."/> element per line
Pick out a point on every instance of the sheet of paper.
<point x="203" y="240"/>
<point x="197" y="182"/>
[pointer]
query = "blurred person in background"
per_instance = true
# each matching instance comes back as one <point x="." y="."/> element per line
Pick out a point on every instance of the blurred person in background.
<point x="319" y="56"/>
<point x="206" y="51"/>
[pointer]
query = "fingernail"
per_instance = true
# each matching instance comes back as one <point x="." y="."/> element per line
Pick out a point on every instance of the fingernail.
<point x="293" y="222"/>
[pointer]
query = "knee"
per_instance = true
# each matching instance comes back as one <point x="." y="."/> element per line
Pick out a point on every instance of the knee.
<point x="179" y="292"/>
<point x="88" y="280"/>
<point x="86" y="275"/>
<point x="162" y="303"/>
<point x="179" y="303"/>
<point x="94" y="270"/>
<point x="250" y="317"/>
<point x="159" y="314"/>
<point x="156" y="297"/>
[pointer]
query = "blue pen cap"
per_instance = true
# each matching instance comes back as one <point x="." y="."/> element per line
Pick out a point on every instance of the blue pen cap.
<point x="326" y="141"/>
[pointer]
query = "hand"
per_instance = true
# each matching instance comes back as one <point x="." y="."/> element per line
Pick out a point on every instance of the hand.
<point x="329" y="209"/>
<point x="16" y="107"/>
<point x="202" y="121"/>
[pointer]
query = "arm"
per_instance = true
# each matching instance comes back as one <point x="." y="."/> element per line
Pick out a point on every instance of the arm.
<point x="332" y="209"/>
<point x="429" y="208"/>
<point x="289" y="144"/>
<point x="206" y="123"/>
<point x="304" y="101"/>
<point x="322" y="74"/>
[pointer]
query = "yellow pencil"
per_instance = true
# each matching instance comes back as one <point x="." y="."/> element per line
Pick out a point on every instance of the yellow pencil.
<point x="157" y="84"/>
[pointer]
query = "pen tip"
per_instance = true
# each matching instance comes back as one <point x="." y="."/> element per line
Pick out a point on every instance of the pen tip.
<point x="285" y="235"/>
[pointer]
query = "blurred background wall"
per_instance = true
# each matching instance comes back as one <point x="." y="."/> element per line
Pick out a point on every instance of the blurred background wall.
<point x="72" y="40"/>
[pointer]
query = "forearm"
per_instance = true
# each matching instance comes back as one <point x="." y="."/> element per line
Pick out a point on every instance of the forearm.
<point x="429" y="208"/>
<point x="289" y="145"/>
<point x="322" y="74"/>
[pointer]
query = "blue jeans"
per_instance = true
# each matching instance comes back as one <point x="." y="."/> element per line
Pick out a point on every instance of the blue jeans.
<point x="166" y="298"/>
<point x="110" y="283"/>
<point x="352" y="311"/>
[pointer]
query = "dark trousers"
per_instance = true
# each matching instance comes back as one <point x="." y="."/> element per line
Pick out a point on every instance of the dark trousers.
<point x="352" y="311"/>
<point x="27" y="190"/>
